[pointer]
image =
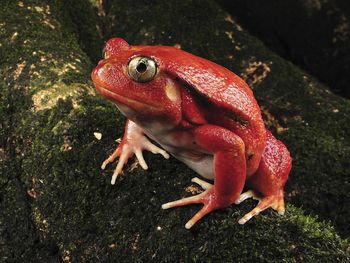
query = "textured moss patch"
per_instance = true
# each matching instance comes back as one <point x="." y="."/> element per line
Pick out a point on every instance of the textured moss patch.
<point x="37" y="55"/>
<point x="66" y="209"/>
<point x="83" y="19"/>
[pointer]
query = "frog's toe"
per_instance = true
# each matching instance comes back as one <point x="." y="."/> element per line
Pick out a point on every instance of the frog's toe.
<point x="196" y="199"/>
<point x="154" y="149"/>
<point x="246" y="195"/>
<point x="141" y="160"/>
<point x="201" y="213"/>
<point x="280" y="204"/>
<point x="123" y="159"/>
<point x="111" y="158"/>
<point x="205" y="185"/>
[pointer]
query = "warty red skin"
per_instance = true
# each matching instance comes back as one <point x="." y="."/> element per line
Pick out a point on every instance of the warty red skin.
<point x="212" y="106"/>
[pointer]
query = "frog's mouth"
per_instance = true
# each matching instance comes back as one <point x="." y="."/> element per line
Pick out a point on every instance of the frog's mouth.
<point x="132" y="103"/>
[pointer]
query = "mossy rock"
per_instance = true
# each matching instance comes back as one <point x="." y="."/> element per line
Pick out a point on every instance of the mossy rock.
<point x="64" y="206"/>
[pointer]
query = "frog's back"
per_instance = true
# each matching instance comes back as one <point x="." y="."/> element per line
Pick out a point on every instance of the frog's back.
<point x="237" y="109"/>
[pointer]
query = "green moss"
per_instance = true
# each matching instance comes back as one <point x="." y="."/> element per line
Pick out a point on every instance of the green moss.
<point x="19" y="238"/>
<point x="36" y="54"/>
<point x="41" y="61"/>
<point x="320" y="168"/>
<point x="81" y="17"/>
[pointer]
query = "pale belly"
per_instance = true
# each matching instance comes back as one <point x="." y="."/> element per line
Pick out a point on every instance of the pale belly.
<point x="183" y="149"/>
<point x="204" y="167"/>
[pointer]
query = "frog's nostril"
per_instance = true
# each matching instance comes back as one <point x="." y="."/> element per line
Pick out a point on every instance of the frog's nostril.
<point x="94" y="73"/>
<point x="106" y="66"/>
<point x="101" y="69"/>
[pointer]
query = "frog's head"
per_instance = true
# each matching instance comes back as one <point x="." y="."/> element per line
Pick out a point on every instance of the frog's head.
<point x="134" y="78"/>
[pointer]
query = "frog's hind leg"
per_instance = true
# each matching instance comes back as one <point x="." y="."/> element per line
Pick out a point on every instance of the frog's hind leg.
<point x="276" y="202"/>
<point x="269" y="179"/>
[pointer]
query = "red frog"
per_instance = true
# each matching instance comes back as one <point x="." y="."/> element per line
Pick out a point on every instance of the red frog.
<point x="202" y="114"/>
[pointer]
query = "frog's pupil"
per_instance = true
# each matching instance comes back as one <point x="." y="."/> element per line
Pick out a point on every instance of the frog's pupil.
<point x="141" y="68"/>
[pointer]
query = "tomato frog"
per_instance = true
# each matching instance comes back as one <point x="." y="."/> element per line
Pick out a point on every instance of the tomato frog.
<point x="200" y="113"/>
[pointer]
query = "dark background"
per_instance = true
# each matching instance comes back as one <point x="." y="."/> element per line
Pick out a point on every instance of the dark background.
<point x="313" y="34"/>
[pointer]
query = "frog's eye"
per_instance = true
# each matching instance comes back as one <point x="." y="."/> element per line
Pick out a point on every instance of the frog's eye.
<point x="142" y="69"/>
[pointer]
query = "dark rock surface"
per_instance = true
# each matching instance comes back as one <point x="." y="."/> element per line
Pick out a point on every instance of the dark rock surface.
<point x="314" y="34"/>
<point x="57" y="205"/>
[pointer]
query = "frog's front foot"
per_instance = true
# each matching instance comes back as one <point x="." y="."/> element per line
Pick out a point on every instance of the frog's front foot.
<point x="208" y="198"/>
<point x="129" y="147"/>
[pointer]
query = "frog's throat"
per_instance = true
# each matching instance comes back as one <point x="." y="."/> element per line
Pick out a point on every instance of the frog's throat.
<point x="132" y="103"/>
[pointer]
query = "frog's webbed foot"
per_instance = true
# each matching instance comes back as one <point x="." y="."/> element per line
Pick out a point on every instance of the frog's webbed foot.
<point x="207" y="198"/>
<point x="276" y="202"/>
<point x="129" y="147"/>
